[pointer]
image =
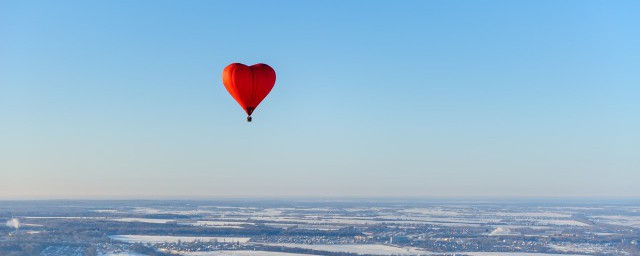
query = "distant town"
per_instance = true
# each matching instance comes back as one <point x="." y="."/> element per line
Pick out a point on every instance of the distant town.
<point x="319" y="227"/>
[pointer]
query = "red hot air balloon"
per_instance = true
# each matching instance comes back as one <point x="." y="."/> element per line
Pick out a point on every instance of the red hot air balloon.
<point x="248" y="85"/>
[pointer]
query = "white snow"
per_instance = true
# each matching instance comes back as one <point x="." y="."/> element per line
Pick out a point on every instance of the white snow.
<point x="242" y="253"/>
<point x="502" y="231"/>
<point x="105" y="211"/>
<point x="38" y="217"/>
<point x="173" y="239"/>
<point x="145" y="220"/>
<point x="373" y="249"/>
<point x="431" y="211"/>
<point x="514" y="254"/>
<point x="30" y="225"/>
<point x="122" y="254"/>
<point x="534" y="214"/>
<point x="561" y="223"/>
<point x="220" y="224"/>
<point x="629" y="221"/>
<point x="578" y="248"/>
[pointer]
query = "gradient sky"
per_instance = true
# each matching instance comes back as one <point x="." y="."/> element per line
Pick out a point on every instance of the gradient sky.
<point x="383" y="98"/>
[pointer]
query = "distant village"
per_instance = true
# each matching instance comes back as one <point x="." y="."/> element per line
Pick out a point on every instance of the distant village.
<point x="290" y="228"/>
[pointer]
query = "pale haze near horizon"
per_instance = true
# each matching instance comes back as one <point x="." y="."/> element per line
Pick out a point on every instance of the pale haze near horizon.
<point x="384" y="99"/>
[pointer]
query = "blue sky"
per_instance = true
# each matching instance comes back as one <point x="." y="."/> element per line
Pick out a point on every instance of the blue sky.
<point x="383" y="98"/>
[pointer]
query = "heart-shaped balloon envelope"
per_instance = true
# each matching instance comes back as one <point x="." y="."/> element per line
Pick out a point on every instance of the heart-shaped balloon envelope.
<point x="248" y="85"/>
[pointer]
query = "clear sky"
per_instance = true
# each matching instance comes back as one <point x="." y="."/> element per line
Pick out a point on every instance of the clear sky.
<point x="375" y="98"/>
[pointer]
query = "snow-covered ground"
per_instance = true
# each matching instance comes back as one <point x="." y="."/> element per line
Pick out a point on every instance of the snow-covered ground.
<point x="629" y="221"/>
<point x="515" y="254"/>
<point x="242" y="253"/>
<point x="173" y="239"/>
<point x="218" y="224"/>
<point x="431" y="211"/>
<point x="148" y="210"/>
<point x="30" y="225"/>
<point x="70" y="217"/>
<point x="561" y="223"/>
<point x="122" y="254"/>
<point x="533" y="214"/>
<point x="371" y="221"/>
<point x="581" y="248"/>
<point x="372" y="249"/>
<point x="503" y="231"/>
<point x="106" y="211"/>
<point x="145" y="220"/>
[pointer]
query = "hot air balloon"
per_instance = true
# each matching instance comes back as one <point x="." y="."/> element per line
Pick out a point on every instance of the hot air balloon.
<point x="248" y="85"/>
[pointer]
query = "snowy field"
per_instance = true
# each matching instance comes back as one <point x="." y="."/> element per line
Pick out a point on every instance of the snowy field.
<point x="69" y="218"/>
<point x="147" y="210"/>
<point x="242" y="253"/>
<point x="579" y="248"/>
<point x="121" y="254"/>
<point x="533" y="214"/>
<point x="515" y="254"/>
<point x="629" y="221"/>
<point x="506" y="223"/>
<point x="144" y="220"/>
<point x="173" y="239"/>
<point x="219" y="224"/>
<point x="369" y="249"/>
<point x="503" y="231"/>
<point x="561" y="223"/>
